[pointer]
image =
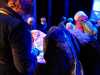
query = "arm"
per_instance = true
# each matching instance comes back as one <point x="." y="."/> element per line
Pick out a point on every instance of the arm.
<point x="20" y="39"/>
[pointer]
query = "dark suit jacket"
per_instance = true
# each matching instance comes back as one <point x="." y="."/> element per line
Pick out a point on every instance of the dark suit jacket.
<point x="42" y="28"/>
<point x="15" y="45"/>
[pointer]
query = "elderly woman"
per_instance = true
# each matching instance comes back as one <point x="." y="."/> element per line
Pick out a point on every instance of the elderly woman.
<point x="89" y="53"/>
<point x="60" y="54"/>
<point x="83" y="23"/>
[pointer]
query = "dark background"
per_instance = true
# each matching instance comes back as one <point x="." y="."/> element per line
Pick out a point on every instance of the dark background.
<point x="53" y="10"/>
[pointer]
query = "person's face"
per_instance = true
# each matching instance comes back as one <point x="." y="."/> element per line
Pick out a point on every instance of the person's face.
<point x="31" y="21"/>
<point x="43" y="20"/>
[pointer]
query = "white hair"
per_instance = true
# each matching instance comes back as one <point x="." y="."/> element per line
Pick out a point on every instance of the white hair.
<point x="78" y="14"/>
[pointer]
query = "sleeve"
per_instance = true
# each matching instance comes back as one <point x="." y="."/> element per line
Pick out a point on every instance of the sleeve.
<point x="92" y="27"/>
<point x="21" y="44"/>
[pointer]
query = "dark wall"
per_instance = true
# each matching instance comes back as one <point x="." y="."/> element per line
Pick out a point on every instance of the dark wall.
<point x="61" y="8"/>
<point x="84" y="5"/>
<point x="42" y="7"/>
<point x="57" y="10"/>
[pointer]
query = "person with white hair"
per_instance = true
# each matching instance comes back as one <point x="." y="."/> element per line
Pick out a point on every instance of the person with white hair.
<point x="83" y="24"/>
<point x="43" y="25"/>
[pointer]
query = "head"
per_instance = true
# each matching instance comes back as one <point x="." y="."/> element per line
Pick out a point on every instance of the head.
<point x="63" y="19"/>
<point x="81" y="16"/>
<point x="56" y="44"/>
<point x="70" y="20"/>
<point x="43" y="20"/>
<point x="54" y="39"/>
<point x="20" y="6"/>
<point x="15" y="5"/>
<point x="31" y="21"/>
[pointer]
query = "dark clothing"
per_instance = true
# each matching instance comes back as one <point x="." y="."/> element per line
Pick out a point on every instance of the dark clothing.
<point x="60" y="54"/>
<point x="42" y="28"/>
<point x="15" y="45"/>
<point x="90" y="56"/>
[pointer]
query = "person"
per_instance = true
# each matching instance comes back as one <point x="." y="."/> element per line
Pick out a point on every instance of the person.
<point x="70" y="25"/>
<point x="43" y="25"/>
<point x="59" y="56"/>
<point x="15" y="44"/>
<point x="37" y="48"/>
<point x="31" y="22"/>
<point x="83" y="24"/>
<point x="89" y="47"/>
<point x="63" y="21"/>
<point x="24" y="8"/>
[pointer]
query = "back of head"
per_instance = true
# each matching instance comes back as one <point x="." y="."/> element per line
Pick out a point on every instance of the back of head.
<point x="70" y="20"/>
<point x="57" y="44"/>
<point x="63" y="18"/>
<point x="55" y="37"/>
<point x="79" y="15"/>
<point x="21" y="6"/>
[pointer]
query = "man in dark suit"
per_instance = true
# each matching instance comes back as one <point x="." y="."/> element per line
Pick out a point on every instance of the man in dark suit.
<point x="43" y="25"/>
<point x="15" y="44"/>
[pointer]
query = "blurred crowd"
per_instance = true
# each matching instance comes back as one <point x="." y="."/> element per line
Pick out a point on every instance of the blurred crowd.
<point x="70" y="48"/>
